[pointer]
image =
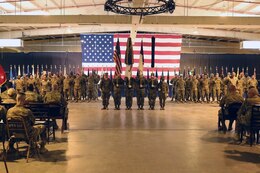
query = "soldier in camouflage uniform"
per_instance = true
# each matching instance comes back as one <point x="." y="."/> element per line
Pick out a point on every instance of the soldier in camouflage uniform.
<point x="129" y="91"/>
<point x="173" y="82"/>
<point x="11" y="95"/>
<point x="55" y="97"/>
<point x="118" y="83"/>
<point x="31" y="96"/>
<point x="212" y="87"/>
<point x="106" y="88"/>
<point x="66" y="87"/>
<point x="163" y="90"/>
<point x="45" y="85"/>
<point x="152" y="91"/>
<point x="19" y="84"/>
<point x="180" y="86"/>
<point x="218" y="87"/>
<point x="55" y="81"/>
<point x="83" y="86"/>
<point x="205" y="88"/>
<point x="140" y="91"/>
<point x="77" y="88"/>
<point x="188" y="88"/>
<point x="194" y="89"/>
<point x="96" y="81"/>
<point x="253" y="82"/>
<point x="91" y="87"/>
<point x="33" y="130"/>
<point x="226" y="84"/>
<point x="239" y="84"/>
<point x="37" y="84"/>
<point x="231" y="97"/>
<point x="246" y="84"/>
<point x="4" y="94"/>
<point x="31" y="81"/>
<point x="244" y="114"/>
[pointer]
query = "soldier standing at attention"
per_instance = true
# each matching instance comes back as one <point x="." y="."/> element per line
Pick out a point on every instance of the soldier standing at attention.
<point x="140" y="91"/>
<point x="188" y="88"/>
<point x="45" y="85"/>
<point x="106" y="87"/>
<point x="180" y="85"/>
<point x="152" y="87"/>
<point x="194" y="89"/>
<point x="31" y="81"/>
<point x="218" y="87"/>
<point x="246" y="84"/>
<point x="77" y="88"/>
<point x="163" y="92"/>
<point x="253" y="82"/>
<point x="83" y="87"/>
<point x="118" y="83"/>
<point x="4" y="95"/>
<point x="173" y="82"/>
<point x="205" y="88"/>
<point x="129" y="91"/>
<point x="66" y="87"/>
<point x="212" y="87"/>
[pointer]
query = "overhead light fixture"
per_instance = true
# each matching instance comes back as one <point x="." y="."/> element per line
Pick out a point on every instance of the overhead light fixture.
<point x="161" y="6"/>
<point x="11" y="43"/>
<point x="250" y="45"/>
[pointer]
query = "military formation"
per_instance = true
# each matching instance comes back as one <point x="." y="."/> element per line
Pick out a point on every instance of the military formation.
<point x="209" y="89"/>
<point x="80" y="88"/>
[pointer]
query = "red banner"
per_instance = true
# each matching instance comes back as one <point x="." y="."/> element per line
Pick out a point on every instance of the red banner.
<point x="2" y="76"/>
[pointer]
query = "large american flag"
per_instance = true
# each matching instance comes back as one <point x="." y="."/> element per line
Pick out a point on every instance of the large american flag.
<point x="98" y="49"/>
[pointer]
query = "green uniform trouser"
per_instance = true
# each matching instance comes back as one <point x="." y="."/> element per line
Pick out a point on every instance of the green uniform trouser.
<point x="180" y="95"/>
<point x="117" y="97"/>
<point x="152" y="97"/>
<point x="66" y="94"/>
<point x="71" y="92"/>
<point x="91" y="92"/>
<point x="218" y="94"/>
<point x="105" y="98"/>
<point x="83" y="92"/>
<point x="173" y="93"/>
<point x="162" y="98"/>
<point x="129" y="97"/>
<point x="188" y="93"/>
<point x="194" y="95"/>
<point x="77" y="93"/>
<point x="205" y="93"/>
<point x="212" y="93"/>
<point x="140" y="97"/>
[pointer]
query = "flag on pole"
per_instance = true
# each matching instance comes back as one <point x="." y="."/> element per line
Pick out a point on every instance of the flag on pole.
<point x="41" y="70"/>
<point x="222" y="70"/>
<point x="117" y="59"/>
<point x="147" y="74"/>
<point x="111" y="76"/>
<point x="226" y="70"/>
<point x="168" y="77"/>
<point x="11" y="72"/>
<point x="153" y="52"/>
<point x="141" y="59"/>
<point x="23" y="70"/>
<point x="15" y="72"/>
<point x="237" y="71"/>
<point x="129" y="56"/>
<point x="33" y="73"/>
<point x="37" y="70"/>
<point x="232" y="69"/>
<point x="64" y="70"/>
<point x="194" y="71"/>
<point x="200" y="71"/>
<point x="216" y="69"/>
<point x="19" y="70"/>
<point x="247" y="70"/>
<point x="255" y="72"/>
<point x="28" y="70"/>
<point x="51" y="68"/>
<point x="156" y="73"/>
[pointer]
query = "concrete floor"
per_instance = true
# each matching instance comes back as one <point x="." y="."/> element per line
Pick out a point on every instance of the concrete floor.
<point x="182" y="138"/>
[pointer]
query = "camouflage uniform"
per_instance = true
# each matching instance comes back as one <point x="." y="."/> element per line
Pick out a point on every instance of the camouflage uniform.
<point x="118" y="83"/>
<point x="194" y="89"/>
<point x="140" y="91"/>
<point x="173" y="82"/>
<point x="33" y="130"/>
<point x="31" y="81"/>
<point x="106" y="88"/>
<point x="218" y="88"/>
<point x="83" y="86"/>
<point x="19" y="85"/>
<point x="31" y="96"/>
<point x="54" y="97"/>
<point x="188" y="89"/>
<point x="180" y="86"/>
<point x="66" y="87"/>
<point x="91" y="87"/>
<point x="212" y="88"/>
<point x="45" y="86"/>
<point x="205" y="89"/>
<point x="129" y="92"/>
<point x="163" y="92"/>
<point x="253" y="83"/>
<point x="246" y="85"/>
<point x="244" y="114"/>
<point x="11" y="96"/>
<point x="77" y="88"/>
<point x="152" y="86"/>
<point x="239" y="86"/>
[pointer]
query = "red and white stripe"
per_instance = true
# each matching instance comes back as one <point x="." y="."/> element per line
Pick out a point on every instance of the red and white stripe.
<point x="167" y="54"/>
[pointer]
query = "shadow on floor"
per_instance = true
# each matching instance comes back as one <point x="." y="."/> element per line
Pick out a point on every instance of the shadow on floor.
<point x="243" y="156"/>
<point x="218" y="137"/>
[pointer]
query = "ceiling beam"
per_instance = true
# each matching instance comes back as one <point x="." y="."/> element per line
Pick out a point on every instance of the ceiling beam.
<point x="121" y="19"/>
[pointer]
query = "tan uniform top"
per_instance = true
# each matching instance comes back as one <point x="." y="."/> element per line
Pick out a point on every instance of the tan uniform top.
<point x="205" y="83"/>
<point x="163" y="88"/>
<point x="180" y="84"/>
<point x="233" y="81"/>
<point x="253" y="83"/>
<point x="77" y="81"/>
<point x="231" y="98"/>
<point x="19" y="84"/>
<point x="31" y="96"/>
<point x="45" y="85"/>
<point x="194" y="83"/>
<point x="218" y="83"/>
<point x="212" y="83"/>
<point x="239" y="84"/>
<point x="66" y="83"/>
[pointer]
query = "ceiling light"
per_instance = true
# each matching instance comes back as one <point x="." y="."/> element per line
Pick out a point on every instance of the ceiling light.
<point x="250" y="44"/>
<point x="11" y="43"/>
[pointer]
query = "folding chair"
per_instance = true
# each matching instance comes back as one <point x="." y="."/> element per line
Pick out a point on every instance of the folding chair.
<point x="18" y="132"/>
<point x="2" y="140"/>
<point x="255" y="124"/>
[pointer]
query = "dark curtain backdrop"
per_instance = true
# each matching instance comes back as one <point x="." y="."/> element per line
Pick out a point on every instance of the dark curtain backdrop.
<point x="225" y="60"/>
<point x="187" y="60"/>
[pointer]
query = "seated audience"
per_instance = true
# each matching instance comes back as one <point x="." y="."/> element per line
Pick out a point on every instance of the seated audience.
<point x="11" y="93"/>
<point x="54" y="97"/>
<point x="31" y="96"/>
<point x="4" y="94"/>
<point x="33" y="130"/>
<point x="231" y="97"/>
<point x="2" y="113"/>
<point x="244" y="114"/>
